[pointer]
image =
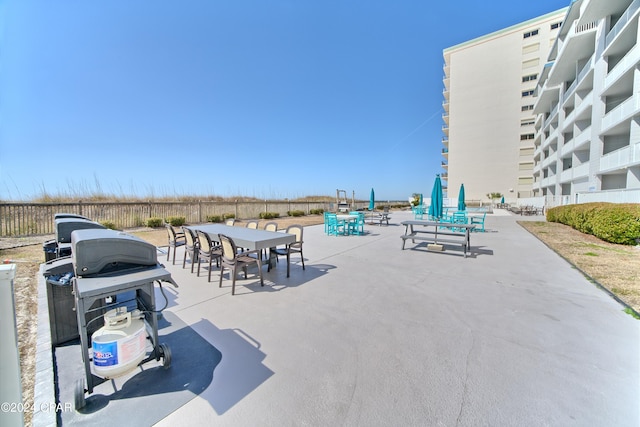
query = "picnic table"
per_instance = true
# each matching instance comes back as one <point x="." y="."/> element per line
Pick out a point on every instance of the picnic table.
<point x="438" y="233"/>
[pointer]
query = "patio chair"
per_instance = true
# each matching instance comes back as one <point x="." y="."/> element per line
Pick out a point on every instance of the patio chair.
<point x="190" y="247"/>
<point x="253" y="224"/>
<point x="176" y="239"/>
<point x="269" y="226"/>
<point x="357" y="227"/>
<point x="230" y="222"/>
<point x="459" y="218"/>
<point x="334" y="225"/>
<point x="232" y="259"/>
<point x="480" y="221"/>
<point x="291" y="248"/>
<point x="207" y="251"/>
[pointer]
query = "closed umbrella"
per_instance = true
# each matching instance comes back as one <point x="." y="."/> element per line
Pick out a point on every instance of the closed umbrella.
<point x="435" y="209"/>
<point x="372" y="200"/>
<point x="420" y="202"/>
<point x="502" y="200"/>
<point x="461" y="204"/>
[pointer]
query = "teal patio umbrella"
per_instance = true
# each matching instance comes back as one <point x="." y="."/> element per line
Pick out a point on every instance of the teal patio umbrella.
<point x="461" y="205"/>
<point x="372" y="200"/>
<point x="435" y="209"/>
<point x="420" y="202"/>
<point x="502" y="200"/>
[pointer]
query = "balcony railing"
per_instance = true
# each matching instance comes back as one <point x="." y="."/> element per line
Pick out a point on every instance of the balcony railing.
<point x="627" y="63"/>
<point x="624" y="19"/>
<point x="622" y="112"/>
<point x="620" y="159"/>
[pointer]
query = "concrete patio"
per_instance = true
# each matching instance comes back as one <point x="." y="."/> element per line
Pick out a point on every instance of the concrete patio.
<point x="370" y="334"/>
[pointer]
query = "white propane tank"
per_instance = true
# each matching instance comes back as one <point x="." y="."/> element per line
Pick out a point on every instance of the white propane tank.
<point x="120" y="345"/>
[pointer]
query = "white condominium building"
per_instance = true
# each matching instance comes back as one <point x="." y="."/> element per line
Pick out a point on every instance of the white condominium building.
<point x="489" y="98"/>
<point x="587" y="133"/>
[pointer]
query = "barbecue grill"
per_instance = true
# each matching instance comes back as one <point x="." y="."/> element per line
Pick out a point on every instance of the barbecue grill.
<point x="64" y="225"/>
<point x="110" y="264"/>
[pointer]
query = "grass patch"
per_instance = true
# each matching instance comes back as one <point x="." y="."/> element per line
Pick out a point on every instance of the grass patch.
<point x="591" y="254"/>
<point x="632" y="313"/>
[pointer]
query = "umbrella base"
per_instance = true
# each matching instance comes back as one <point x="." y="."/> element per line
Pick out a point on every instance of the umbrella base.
<point x="435" y="247"/>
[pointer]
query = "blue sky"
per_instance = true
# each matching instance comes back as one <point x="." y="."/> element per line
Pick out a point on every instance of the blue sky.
<point x="269" y="99"/>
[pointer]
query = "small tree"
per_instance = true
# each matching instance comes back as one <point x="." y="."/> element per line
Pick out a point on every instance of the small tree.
<point x="494" y="196"/>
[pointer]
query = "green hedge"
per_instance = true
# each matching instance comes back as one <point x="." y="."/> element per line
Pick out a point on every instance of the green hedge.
<point x="155" y="222"/>
<point x="611" y="222"/>
<point x="269" y="215"/>
<point x="176" y="221"/>
<point x="214" y="218"/>
<point x="296" y="213"/>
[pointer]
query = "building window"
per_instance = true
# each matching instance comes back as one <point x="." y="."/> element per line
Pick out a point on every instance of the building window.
<point x="530" y="34"/>
<point x="527" y="122"/>
<point x="527" y="136"/>
<point x="556" y="25"/>
<point x="530" y="63"/>
<point x="527" y="93"/>
<point x="529" y="78"/>
<point x="527" y="107"/>
<point x="532" y="48"/>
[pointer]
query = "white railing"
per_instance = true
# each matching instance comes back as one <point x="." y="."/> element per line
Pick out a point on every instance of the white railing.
<point x="611" y="196"/>
<point x="628" y="62"/>
<point x="617" y="159"/>
<point x="634" y="156"/>
<point x="584" y="137"/>
<point x="537" y="202"/>
<point x="574" y="173"/>
<point x="581" y="171"/>
<point x="622" y="22"/>
<point x="622" y="112"/>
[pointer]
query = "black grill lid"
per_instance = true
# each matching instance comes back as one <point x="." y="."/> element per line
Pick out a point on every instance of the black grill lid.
<point x="96" y="251"/>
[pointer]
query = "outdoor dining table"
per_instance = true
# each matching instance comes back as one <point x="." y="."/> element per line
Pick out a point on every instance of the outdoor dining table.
<point x="248" y="238"/>
<point x="347" y="219"/>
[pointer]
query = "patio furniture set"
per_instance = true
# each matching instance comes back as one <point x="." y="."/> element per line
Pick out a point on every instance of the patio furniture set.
<point x="438" y="234"/>
<point x="235" y="248"/>
<point x="344" y="225"/>
<point x="454" y="217"/>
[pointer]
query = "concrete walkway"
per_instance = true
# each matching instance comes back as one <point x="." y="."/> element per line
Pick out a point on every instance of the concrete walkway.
<point x="373" y="335"/>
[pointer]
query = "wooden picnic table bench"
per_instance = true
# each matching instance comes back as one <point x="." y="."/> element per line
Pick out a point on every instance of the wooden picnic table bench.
<point x="438" y="233"/>
<point x="378" y="218"/>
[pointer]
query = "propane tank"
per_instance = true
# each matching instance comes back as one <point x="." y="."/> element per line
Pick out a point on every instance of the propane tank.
<point x="120" y="345"/>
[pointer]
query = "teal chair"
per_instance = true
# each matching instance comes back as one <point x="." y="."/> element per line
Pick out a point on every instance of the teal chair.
<point x="479" y="220"/>
<point x="356" y="227"/>
<point x="334" y="225"/>
<point x="418" y="212"/>
<point x="459" y="217"/>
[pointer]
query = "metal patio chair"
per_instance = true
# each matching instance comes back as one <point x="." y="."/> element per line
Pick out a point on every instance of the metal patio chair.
<point x="233" y="260"/>
<point x="190" y="247"/>
<point x="291" y="248"/>
<point x="207" y="251"/>
<point x="176" y="239"/>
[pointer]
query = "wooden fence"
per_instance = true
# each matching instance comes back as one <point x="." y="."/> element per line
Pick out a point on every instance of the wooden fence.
<point x="27" y="219"/>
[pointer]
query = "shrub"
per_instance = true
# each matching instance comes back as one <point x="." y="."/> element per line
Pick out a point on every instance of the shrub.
<point x="138" y="222"/>
<point x="296" y="213"/>
<point x="176" y="221"/>
<point x="228" y="216"/>
<point x="155" y="222"/>
<point x="612" y="222"/>
<point x="269" y="215"/>
<point x="109" y="224"/>
<point x="214" y="218"/>
<point x="316" y="211"/>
